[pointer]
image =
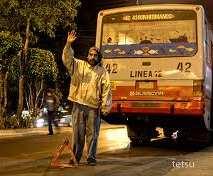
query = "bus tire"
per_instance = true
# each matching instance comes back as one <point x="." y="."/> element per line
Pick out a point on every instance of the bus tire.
<point x="139" y="135"/>
<point x="168" y="132"/>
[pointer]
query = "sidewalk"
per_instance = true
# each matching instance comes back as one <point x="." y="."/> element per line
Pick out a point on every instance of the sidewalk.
<point x="8" y="133"/>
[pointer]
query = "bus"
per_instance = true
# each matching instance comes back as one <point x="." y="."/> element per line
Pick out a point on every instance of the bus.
<point x="159" y="58"/>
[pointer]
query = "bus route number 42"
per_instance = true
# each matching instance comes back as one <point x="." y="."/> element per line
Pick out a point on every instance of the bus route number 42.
<point x="112" y="68"/>
<point x="184" y="67"/>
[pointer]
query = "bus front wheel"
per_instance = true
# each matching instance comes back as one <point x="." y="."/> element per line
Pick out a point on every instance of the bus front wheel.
<point x="140" y="135"/>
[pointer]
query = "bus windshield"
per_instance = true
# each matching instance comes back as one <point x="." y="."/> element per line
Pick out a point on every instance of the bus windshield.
<point x="165" y="33"/>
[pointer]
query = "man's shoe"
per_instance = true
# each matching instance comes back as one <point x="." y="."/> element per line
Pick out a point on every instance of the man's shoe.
<point x="50" y="134"/>
<point x="91" y="162"/>
<point x="71" y="162"/>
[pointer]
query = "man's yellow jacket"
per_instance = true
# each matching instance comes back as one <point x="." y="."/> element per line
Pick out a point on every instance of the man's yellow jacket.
<point x="90" y="85"/>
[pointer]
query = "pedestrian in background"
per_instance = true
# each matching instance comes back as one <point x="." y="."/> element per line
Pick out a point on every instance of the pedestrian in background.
<point x="51" y="104"/>
<point x="90" y="93"/>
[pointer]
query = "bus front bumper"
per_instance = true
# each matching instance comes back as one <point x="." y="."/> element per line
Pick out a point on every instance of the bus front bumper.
<point x="151" y="107"/>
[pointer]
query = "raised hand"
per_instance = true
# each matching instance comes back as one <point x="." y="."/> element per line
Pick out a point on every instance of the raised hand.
<point x="71" y="37"/>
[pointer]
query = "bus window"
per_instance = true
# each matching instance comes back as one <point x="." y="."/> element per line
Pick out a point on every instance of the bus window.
<point x="149" y="34"/>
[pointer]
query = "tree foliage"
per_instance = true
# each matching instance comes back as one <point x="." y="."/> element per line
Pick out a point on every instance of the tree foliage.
<point x="10" y="45"/>
<point x="41" y="65"/>
<point x="45" y="15"/>
<point x="30" y="18"/>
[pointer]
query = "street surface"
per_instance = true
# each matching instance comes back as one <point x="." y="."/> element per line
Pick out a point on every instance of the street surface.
<point x="31" y="156"/>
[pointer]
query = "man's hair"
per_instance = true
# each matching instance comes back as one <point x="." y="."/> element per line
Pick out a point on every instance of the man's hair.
<point x="50" y="90"/>
<point x="98" y="52"/>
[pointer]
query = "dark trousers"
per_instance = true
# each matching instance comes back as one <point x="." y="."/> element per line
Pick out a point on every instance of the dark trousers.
<point x="51" y="120"/>
<point x="85" y="123"/>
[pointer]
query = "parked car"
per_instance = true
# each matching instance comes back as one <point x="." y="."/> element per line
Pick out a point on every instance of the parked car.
<point x="41" y="120"/>
<point x="63" y="118"/>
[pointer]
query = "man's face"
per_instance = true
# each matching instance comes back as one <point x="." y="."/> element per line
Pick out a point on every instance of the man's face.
<point x="49" y="93"/>
<point x="92" y="57"/>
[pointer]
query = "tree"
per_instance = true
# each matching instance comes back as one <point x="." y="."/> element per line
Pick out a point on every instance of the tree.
<point x="41" y="70"/>
<point x="30" y="17"/>
<point x="10" y="45"/>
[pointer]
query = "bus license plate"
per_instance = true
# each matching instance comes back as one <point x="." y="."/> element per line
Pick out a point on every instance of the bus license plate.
<point x="146" y="85"/>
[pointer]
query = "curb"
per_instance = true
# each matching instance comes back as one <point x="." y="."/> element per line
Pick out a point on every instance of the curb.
<point x="8" y="133"/>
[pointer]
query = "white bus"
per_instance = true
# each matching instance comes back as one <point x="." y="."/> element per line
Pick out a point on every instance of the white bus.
<point x="160" y="62"/>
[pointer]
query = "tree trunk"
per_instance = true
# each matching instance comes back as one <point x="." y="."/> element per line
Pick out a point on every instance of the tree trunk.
<point x="35" y="94"/>
<point x="3" y="98"/>
<point x="23" y="63"/>
<point x="39" y="91"/>
<point x="20" y="97"/>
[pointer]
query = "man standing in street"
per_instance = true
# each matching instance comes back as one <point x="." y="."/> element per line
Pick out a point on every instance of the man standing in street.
<point x="90" y="93"/>
<point x="51" y="103"/>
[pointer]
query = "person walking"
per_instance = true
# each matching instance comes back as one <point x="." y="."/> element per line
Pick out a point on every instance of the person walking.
<point x="90" y="92"/>
<point x="51" y="103"/>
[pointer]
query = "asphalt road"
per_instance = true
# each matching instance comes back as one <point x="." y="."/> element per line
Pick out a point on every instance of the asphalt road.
<point x="30" y="155"/>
